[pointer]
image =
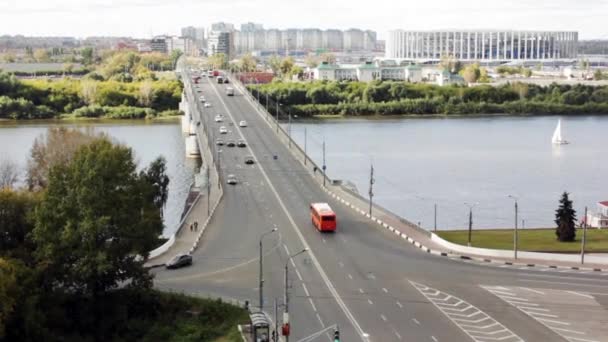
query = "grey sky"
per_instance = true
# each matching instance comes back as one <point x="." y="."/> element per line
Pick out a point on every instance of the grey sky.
<point x="143" y="18"/>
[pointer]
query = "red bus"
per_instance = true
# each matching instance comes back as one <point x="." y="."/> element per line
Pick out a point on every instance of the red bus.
<point x="323" y="217"/>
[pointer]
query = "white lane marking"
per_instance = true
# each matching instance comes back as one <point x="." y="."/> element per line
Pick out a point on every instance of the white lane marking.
<point x="350" y="277"/>
<point x="476" y="324"/>
<point x="385" y="290"/>
<point x="314" y="259"/>
<point x="298" y="274"/>
<point x="434" y="339"/>
<point x="560" y="283"/>
<point x="399" y="305"/>
<point x="383" y="317"/>
<point x="314" y="307"/>
<point x="361" y="290"/>
<point x="370" y="302"/>
<point x="532" y="290"/>
<point x="306" y="290"/>
<point x="341" y="264"/>
<point x="324" y="241"/>
<point x="397" y="334"/>
<point x="415" y="321"/>
<point x="561" y="277"/>
<point x="581" y="294"/>
<point x="320" y="320"/>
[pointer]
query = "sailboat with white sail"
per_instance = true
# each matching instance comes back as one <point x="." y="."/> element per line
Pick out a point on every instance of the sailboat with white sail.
<point x="557" y="135"/>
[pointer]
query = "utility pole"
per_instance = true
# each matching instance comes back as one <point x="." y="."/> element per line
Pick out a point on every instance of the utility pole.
<point x="219" y="167"/>
<point x="435" y="220"/>
<point x="470" y="220"/>
<point x="305" y="154"/>
<point x="267" y="104"/>
<point x="289" y="129"/>
<point x="262" y="269"/>
<point x="208" y="190"/>
<point x="515" y="237"/>
<point x="276" y="320"/>
<point x="324" y="166"/>
<point x="584" y="239"/>
<point x="277" y="116"/>
<point x="286" y="314"/>
<point x="371" y="188"/>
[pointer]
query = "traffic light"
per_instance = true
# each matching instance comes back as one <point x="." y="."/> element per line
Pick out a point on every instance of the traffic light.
<point x="337" y="336"/>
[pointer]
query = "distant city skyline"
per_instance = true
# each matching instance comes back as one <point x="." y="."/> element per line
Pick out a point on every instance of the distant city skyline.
<point x="146" y="18"/>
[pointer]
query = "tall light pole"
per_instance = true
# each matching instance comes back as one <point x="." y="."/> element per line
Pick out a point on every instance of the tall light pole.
<point x="278" y="104"/>
<point x="584" y="239"/>
<point x="219" y="167"/>
<point x="262" y="268"/>
<point x="470" y="220"/>
<point x="324" y="166"/>
<point x="305" y="143"/>
<point x="371" y="188"/>
<point x="289" y="128"/>
<point x="515" y="237"/>
<point x="286" y="314"/>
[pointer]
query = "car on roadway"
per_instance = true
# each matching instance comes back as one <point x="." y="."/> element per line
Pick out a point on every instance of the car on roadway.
<point x="243" y="123"/>
<point x="223" y="130"/>
<point x="249" y="160"/>
<point x="241" y="143"/>
<point x="219" y="142"/>
<point x="219" y="118"/>
<point x="231" y="179"/>
<point x="179" y="260"/>
<point x="207" y="105"/>
<point x="230" y="143"/>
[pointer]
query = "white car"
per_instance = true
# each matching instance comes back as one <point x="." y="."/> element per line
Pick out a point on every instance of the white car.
<point x="202" y="98"/>
<point x="231" y="179"/>
<point x="243" y="123"/>
<point x="219" y="118"/>
<point x="223" y="130"/>
<point x="207" y="105"/>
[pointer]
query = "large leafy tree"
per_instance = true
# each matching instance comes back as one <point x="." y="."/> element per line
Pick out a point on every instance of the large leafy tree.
<point x="565" y="218"/>
<point x="15" y="227"/>
<point x="156" y="176"/>
<point x="95" y="220"/>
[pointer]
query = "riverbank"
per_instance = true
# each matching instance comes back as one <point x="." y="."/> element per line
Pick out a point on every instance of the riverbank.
<point x="532" y="240"/>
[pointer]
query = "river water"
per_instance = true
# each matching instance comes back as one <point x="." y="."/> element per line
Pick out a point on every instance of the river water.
<point x="420" y="162"/>
<point x="147" y="139"/>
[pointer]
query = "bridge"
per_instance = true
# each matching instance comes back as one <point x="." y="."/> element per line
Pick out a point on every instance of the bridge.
<point x="379" y="277"/>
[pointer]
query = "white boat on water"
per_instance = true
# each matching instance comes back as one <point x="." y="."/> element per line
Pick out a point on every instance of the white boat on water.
<point x="557" y="135"/>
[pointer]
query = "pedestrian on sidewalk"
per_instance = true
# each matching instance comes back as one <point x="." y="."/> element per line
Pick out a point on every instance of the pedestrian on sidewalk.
<point x="191" y="229"/>
<point x="196" y="226"/>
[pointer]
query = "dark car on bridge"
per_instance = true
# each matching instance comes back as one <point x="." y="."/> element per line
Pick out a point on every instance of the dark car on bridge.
<point x="230" y="143"/>
<point x="241" y="143"/>
<point x="249" y="160"/>
<point x="179" y="260"/>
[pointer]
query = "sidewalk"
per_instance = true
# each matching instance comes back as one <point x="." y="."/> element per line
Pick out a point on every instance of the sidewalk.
<point x="186" y="240"/>
<point x="421" y="238"/>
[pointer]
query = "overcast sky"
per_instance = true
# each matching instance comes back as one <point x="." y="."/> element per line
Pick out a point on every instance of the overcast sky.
<point x="144" y="18"/>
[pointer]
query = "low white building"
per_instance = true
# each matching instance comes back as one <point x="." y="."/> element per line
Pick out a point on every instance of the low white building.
<point x="599" y="219"/>
<point x="367" y="72"/>
<point x="447" y="78"/>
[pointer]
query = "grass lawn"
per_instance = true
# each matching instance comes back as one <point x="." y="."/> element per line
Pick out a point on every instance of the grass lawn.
<point x="533" y="240"/>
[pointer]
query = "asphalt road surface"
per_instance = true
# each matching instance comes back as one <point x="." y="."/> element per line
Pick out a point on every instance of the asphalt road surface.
<point x="375" y="286"/>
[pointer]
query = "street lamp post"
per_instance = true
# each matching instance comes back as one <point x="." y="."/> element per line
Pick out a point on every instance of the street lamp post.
<point x="262" y="268"/>
<point x="278" y="104"/>
<point x="515" y="237"/>
<point x="289" y="129"/>
<point x="305" y="154"/>
<point x="470" y="220"/>
<point x="219" y="167"/>
<point x="324" y="166"/>
<point x="286" y="315"/>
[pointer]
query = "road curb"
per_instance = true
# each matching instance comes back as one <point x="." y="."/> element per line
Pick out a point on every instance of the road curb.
<point x="452" y="254"/>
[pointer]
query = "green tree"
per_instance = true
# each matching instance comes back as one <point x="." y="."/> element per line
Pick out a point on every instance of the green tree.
<point x="87" y="54"/>
<point x="94" y="221"/>
<point x="9" y="173"/>
<point x="527" y="72"/>
<point x="9" y="57"/>
<point x="471" y="73"/>
<point x="247" y="63"/>
<point x="598" y="75"/>
<point x="15" y="226"/>
<point x="218" y="61"/>
<point x="565" y="218"/>
<point x="275" y="64"/>
<point x="175" y="55"/>
<point x="156" y="176"/>
<point x="286" y="65"/>
<point x="450" y="63"/>
<point x="8" y="289"/>
<point x="42" y="56"/>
